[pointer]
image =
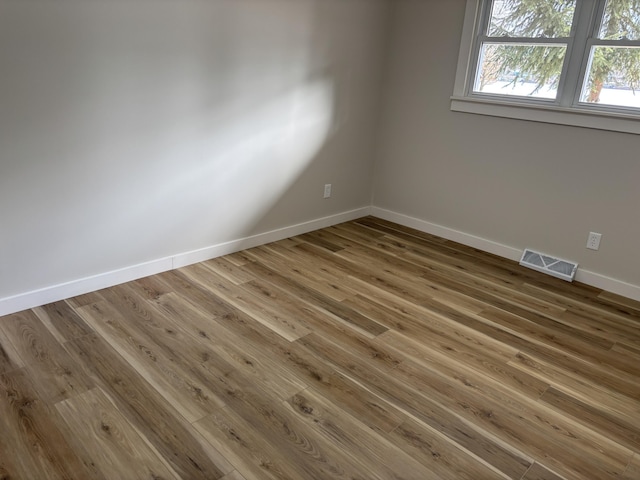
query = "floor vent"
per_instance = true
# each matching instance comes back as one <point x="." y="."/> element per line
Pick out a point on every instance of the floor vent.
<point x="546" y="264"/>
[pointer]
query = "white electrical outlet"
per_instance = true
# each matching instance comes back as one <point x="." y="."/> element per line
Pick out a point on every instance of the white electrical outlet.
<point x="593" y="242"/>
<point x="327" y="190"/>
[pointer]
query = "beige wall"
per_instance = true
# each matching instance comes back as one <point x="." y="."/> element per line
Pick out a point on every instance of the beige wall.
<point x="518" y="183"/>
<point x="133" y="130"/>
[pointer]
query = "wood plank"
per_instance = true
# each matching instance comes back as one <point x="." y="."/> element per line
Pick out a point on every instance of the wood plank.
<point x="9" y="358"/>
<point x="146" y="319"/>
<point x="235" y="475"/>
<point x="147" y="411"/>
<point x="253" y="455"/>
<point x="532" y="357"/>
<point x="320" y="321"/>
<point x="178" y="282"/>
<point x="475" y="400"/>
<point x="426" y="326"/>
<point x="309" y="454"/>
<point x="459" y="255"/>
<point x="459" y="363"/>
<point x="170" y="375"/>
<point x="440" y="454"/>
<point x="547" y="333"/>
<point x="486" y="260"/>
<point x="32" y="444"/>
<point x="319" y="301"/>
<point x="530" y="429"/>
<point x="413" y="403"/>
<point x="578" y="383"/>
<point x="428" y="255"/>
<point x="62" y="321"/>
<point x="619" y="300"/>
<point x="380" y="226"/>
<point x="626" y="352"/>
<point x="538" y="472"/>
<point x="321" y="240"/>
<point x="114" y="446"/>
<point x="239" y="258"/>
<point x="56" y="376"/>
<point x="305" y="270"/>
<point x="293" y="358"/>
<point x="384" y="457"/>
<point x="223" y="267"/>
<point x="389" y="284"/>
<point x="229" y="351"/>
<point x="306" y="298"/>
<point x="633" y="469"/>
<point x="82" y="300"/>
<point x="604" y="327"/>
<point x="287" y="326"/>
<point x="587" y="307"/>
<point x="596" y="416"/>
<point x="335" y="234"/>
<point x="151" y="288"/>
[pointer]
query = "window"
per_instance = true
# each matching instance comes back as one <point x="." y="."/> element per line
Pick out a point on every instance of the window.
<point x="574" y="62"/>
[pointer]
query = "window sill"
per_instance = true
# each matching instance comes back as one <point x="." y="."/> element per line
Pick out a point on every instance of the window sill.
<point x="576" y="117"/>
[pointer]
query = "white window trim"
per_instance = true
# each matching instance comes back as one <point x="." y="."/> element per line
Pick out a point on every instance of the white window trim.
<point x="601" y="118"/>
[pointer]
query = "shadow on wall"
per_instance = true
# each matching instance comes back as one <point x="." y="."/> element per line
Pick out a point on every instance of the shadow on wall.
<point x="134" y="131"/>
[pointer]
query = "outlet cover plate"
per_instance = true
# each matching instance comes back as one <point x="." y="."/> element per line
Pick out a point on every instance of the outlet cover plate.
<point x="593" y="242"/>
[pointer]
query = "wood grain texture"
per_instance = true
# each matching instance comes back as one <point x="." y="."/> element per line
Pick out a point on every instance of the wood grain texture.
<point x="162" y="426"/>
<point x="116" y="448"/>
<point x="538" y="472"/>
<point x="62" y="321"/>
<point x="365" y="350"/>
<point x="9" y="358"/>
<point x="34" y="442"/>
<point x="633" y="470"/>
<point x="56" y="376"/>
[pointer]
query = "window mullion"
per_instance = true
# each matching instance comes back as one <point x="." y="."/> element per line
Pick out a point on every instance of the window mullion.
<point x="483" y="13"/>
<point x="615" y="43"/>
<point x="525" y="40"/>
<point x="578" y="54"/>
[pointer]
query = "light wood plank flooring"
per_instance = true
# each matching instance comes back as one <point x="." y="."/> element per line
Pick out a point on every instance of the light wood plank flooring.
<point x="361" y="351"/>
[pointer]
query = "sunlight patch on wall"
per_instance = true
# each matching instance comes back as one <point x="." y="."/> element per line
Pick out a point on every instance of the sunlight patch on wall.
<point x="248" y="159"/>
<point x="285" y="138"/>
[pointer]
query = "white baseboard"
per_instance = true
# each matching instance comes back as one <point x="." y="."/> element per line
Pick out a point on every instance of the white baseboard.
<point x="214" y="251"/>
<point x="585" y="276"/>
<point x="61" y="291"/>
<point x="449" y="233"/>
<point x="58" y="292"/>
<point x="609" y="284"/>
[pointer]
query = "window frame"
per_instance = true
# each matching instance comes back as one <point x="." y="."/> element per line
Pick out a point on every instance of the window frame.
<point x="566" y="109"/>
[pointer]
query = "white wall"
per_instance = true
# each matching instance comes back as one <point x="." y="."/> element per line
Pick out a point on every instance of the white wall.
<point x="133" y="130"/>
<point x="517" y="183"/>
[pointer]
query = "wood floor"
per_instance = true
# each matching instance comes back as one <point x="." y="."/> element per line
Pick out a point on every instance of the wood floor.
<point x="362" y="351"/>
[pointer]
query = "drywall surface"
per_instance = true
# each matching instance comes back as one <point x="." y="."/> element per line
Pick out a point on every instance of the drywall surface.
<point x="517" y="183"/>
<point x="134" y="130"/>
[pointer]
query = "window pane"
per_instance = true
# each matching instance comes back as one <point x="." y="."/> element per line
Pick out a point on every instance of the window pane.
<point x="520" y="70"/>
<point x="613" y="77"/>
<point x="531" y="18"/>
<point x="621" y="20"/>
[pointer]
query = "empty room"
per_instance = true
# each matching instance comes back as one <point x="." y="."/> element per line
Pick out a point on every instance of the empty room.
<point x="319" y="239"/>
